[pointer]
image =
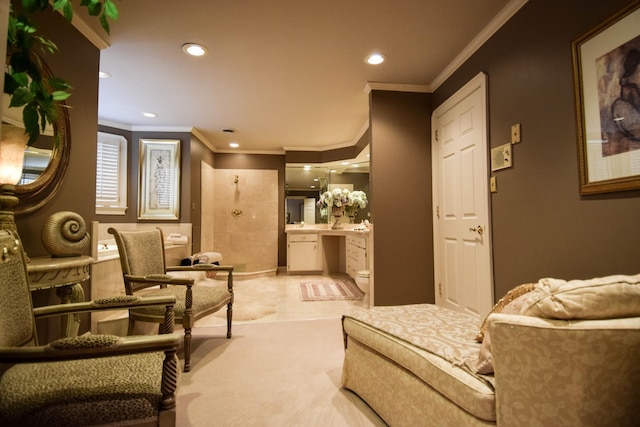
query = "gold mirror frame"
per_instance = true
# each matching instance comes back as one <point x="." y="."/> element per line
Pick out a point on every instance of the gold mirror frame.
<point x="36" y="194"/>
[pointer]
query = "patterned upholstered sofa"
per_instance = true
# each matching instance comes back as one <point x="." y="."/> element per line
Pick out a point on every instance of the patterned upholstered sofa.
<point x="554" y="353"/>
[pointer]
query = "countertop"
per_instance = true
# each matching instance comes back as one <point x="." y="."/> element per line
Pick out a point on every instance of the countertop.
<point x="325" y="229"/>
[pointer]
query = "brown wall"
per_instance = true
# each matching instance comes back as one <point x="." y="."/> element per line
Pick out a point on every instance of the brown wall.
<point x="77" y="191"/>
<point x="401" y="187"/>
<point x="541" y="226"/>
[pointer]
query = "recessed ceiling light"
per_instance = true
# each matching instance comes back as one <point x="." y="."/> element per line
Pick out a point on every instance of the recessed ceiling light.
<point x="375" y="58"/>
<point x="149" y="114"/>
<point x="104" y="75"/>
<point x="194" y="49"/>
<point x="234" y="145"/>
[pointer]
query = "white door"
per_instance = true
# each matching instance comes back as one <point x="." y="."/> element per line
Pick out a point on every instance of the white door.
<point x="462" y="245"/>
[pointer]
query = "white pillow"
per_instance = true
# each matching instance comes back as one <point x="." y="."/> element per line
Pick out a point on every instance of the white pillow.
<point x="599" y="298"/>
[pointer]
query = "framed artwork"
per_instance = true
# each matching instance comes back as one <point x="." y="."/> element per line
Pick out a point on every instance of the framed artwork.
<point x="606" y="70"/>
<point x="159" y="192"/>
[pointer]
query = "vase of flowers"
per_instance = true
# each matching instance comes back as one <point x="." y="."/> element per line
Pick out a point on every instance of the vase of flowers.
<point x="341" y="201"/>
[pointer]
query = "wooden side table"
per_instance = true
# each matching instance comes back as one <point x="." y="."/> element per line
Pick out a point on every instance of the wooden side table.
<point x="65" y="275"/>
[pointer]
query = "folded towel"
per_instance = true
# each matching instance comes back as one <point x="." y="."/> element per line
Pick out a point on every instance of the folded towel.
<point x="209" y="257"/>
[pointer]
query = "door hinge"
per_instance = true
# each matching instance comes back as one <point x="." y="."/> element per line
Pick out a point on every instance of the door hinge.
<point x="436" y="135"/>
<point x="438" y="211"/>
<point x="440" y="289"/>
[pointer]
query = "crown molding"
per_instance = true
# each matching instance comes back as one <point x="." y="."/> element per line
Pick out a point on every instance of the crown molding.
<point x="396" y="87"/>
<point x="99" y="40"/>
<point x="146" y="128"/>
<point x="267" y="153"/>
<point x="361" y="132"/>
<point x="496" y="23"/>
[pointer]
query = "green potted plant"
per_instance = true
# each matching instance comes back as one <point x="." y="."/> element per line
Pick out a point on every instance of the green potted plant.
<point x="23" y="80"/>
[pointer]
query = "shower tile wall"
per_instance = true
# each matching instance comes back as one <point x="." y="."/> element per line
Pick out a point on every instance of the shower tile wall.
<point x="248" y="241"/>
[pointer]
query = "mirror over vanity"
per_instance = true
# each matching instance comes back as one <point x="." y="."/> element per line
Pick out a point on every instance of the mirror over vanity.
<point x="305" y="182"/>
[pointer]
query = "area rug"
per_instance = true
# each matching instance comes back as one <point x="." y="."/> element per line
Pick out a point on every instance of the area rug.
<point x="329" y="290"/>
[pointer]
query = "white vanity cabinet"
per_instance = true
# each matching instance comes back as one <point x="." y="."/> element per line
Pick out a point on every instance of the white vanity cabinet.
<point x="356" y="251"/>
<point x="303" y="252"/>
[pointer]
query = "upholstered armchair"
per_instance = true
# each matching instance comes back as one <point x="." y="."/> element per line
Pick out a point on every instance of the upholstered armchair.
<point x="80" y="381"/>
<point x="143" y="266"/>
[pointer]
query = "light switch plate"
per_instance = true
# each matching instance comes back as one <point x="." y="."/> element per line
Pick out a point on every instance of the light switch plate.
<point x="493" y="184"/>
<point x="515" y="133"/>
<point x="501" y="157"/>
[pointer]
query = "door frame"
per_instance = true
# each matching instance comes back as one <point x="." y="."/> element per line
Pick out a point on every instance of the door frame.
<point x="477" y="82"/>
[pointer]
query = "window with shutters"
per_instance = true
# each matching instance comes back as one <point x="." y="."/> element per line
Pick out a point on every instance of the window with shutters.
<point x="111" y="175"/>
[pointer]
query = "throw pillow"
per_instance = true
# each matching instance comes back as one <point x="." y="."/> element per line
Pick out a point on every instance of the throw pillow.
<point x="599" y="298"/>
<point x="484" y="365"/>
<point x="499" y="306"/>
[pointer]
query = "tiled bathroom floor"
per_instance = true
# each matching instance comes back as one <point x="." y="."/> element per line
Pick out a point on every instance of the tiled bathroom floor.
<point x="283" y="291"/>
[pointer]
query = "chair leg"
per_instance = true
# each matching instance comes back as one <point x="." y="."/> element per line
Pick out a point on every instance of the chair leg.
<point x="132" y="324"/>
<point x="187" y="349"/>
<point x="229" y="317"/>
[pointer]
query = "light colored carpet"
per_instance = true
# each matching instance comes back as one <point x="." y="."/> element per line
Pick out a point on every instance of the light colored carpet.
<point x="270" y="374"/>
<point x="329" y="290"/>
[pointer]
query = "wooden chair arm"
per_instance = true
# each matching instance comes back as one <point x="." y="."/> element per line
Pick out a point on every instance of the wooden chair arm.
<point x="114" y="303"/>
<point x="159" y="279"/>
<point x="201" y="267"/>
<point x="126" y="345"/>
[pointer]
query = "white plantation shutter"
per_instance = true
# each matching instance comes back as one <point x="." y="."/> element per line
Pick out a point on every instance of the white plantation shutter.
<point x="111" y="175"/>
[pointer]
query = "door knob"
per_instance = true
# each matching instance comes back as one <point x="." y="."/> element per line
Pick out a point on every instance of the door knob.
<point x="477" y="229"/>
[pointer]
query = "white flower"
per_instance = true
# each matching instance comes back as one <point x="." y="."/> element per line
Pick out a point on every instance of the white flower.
<point x="337" y="198"/>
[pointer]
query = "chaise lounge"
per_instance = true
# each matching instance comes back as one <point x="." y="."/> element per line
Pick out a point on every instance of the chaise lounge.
<point x="549" y="354"/>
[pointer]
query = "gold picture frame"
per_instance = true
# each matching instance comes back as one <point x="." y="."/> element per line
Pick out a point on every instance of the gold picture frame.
<point x="606" y="72"/>
<point x="159" y="191"/>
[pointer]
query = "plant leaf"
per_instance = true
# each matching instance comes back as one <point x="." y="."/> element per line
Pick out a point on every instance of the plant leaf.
<point x="33" y="5"/>
<point x="21" y="78"/>
<point x="30" y="120"/>
<point x="21" y="96"/>
<point x="94" y="7"/>
<point x="60" y="95"/>
<point x="111" y="10"/>
<point x="104" y="23"/>
<point x="59" y="84"/>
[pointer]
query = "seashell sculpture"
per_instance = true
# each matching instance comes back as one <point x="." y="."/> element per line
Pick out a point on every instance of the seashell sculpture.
<point x="65" y="234"/>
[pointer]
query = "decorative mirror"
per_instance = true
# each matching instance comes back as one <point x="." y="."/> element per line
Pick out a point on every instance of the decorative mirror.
<point x="45" y="176"/>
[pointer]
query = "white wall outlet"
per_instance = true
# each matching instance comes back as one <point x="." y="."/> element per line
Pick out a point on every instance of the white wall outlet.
<point x="515" y="133"/>
<point x="501" y="157"/>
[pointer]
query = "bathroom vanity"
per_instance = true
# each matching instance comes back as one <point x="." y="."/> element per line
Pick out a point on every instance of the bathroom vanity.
<point x="320" y="249"/>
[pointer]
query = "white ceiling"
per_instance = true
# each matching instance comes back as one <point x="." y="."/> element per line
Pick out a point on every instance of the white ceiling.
<point x="285" y="74"/>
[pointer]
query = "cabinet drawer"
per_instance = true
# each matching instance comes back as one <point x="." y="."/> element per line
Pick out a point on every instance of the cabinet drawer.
<point x="312" y="237"/>
<point x="356" y="241"/>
